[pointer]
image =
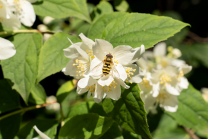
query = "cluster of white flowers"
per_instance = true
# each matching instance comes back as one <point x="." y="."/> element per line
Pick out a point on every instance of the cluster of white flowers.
<point x="101" y="68"/>
<point x="15" y="12"/>
<point x="163" y="78"/>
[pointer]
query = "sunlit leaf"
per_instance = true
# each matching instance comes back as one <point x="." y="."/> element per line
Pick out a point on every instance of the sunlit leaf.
<point x="129" y="111"/>
<point x="22" y="68"/>
<point x="38" y="95"/>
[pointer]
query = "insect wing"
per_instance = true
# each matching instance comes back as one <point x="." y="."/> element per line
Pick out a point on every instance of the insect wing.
<point x="97" y="68"/>
<point x="115" y="72"/>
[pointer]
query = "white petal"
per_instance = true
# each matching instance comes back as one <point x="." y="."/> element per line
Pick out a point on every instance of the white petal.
<point x="186" y="69"/>
<point x="96" y="68"/>
<point x="105" y="80"/>
<point x="177" y="62"/>
<point x="81" y="90"/>
<point x="88" y="42"/>
<point x="136" y="78"/>
<point x="124" y="54"/>
<point x="121" y="71"/>
<point x="155" y="90"/>
<point x="121" y="82"/>
<point x="70" y="69"/>
<point x="13" y="22"/>
<point x="160" y="49"/>
<point x="7" y="49"/>
<point x="71" y="52"/>
<point x="138" y="53"/>
<point x="170" y="89"/>
<point x="170" y="104"/>
<point x="28" y="14"/>
<point x="102" y="48"/>
<point x="149" y="101"/>
<point x="99" y="93"/>
<point x="82" y="52"/>
<point x="42" y="135"/>
<point x="183" y="82"/>
<point x="86" y="81"/>
<point x="115" y="93"/>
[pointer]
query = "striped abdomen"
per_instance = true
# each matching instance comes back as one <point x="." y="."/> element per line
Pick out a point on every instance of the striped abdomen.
<point x="106" y="66"/>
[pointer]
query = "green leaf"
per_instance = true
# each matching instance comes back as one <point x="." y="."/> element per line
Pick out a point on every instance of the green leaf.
<point x="129" y="111"/>
<point x="130" y="135"/>
<point x="87" y="107"/>
<point x="102" y="8"/>
<point x="113" y="133"/>
<point x="9" y="99"/>
<point x="85" y="126"/>
<point x="64" y="90"/>
<point x="192" y="110"/>
<point x="22" y="68"/>
<point x="97" y="28"/>
<point x="47" y="126"/>
<point x="63" y="8"/>
<point x="52" y="59"/>
<point x="10" y="126"/>
<point x="168" y="129"/>
<point x="136" y="29"/>
<point x="121" y="5"/>
<point x="38" y="95"/>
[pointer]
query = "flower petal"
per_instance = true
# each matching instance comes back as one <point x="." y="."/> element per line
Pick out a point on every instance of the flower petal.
<point x="183" y="82"/>
<point x="170" y="104"/>
<point x="160" y="49"/>
<point x="81" y="90"/>
<point x="115" y="93"/>
<point x="88" y="43"/>
<point x="99" y="93"/>
<point x="7" y="49"/>
<point x="186" y="69"/>
<point x="155" y="88"/>
<point x="121" y="71"/>
<point x="124" y="54"/>
<point x="42" y="135"/>
<point x="96" y="68"/>
<point x="105" y="80"/>
<point x="170" y="89"/>
<point x="121" y="82"/>
<point x="102" y="48"/>
<point x="71" y="52"/>
<point x="86" y="81"/>
<point x="27" y="14"/>
<point x="138" y="53"/>
<point x="12" y="22"/>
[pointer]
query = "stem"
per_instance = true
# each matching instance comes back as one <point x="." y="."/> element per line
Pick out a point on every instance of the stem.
<point x="24" y="31"/>
<point x="191" y="133"/>
<point x="26" y="109"/>
<point x="62" y="116"/>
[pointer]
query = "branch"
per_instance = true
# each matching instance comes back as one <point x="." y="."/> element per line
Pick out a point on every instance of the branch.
<point x="197" y="38"/>
<point x="191" y="133"/>
<point x="24" y="31"/>
<point x="26" y="109"/>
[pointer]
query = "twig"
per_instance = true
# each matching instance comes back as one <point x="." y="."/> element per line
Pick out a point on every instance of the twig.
<point x="197" y="38"/>
<point x="24" y="31"/>
<point x="191" y="133"/>
<point x="26" y="109"/>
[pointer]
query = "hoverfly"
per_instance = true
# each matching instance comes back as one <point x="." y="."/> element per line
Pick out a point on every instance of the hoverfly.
<point x="107" y="65"/>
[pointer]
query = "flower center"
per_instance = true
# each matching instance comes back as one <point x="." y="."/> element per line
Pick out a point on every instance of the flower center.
<point x="91" y="88"/>
<point x="108" y="88"/>
<point x="90" y="53"/>
<point x="130" y="72"/>
<point x="146" y="83"/>
<point x="81" y="67"/>
<point x="162" y="97"/>
<point x="164" y="79"/>
<point x="180" y="74"/>
<point x="18" y="4"/>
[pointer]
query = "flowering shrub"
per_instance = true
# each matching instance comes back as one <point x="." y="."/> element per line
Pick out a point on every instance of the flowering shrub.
<point x="115" y="75"/>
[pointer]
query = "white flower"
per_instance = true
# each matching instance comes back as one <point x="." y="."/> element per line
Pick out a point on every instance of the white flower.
<point x="47" y="20"/>
<point x="24" y="11"/>
<point x="121" y="69"/>
<point x="41" y="134"/>
<point x="80" y="54"/>
<point x="165" y="100"/>
<point x="7" y="49"/>
<point x="205" y="94"/>
<point x="7" y="18"/>
<point x="171" y="79"/>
